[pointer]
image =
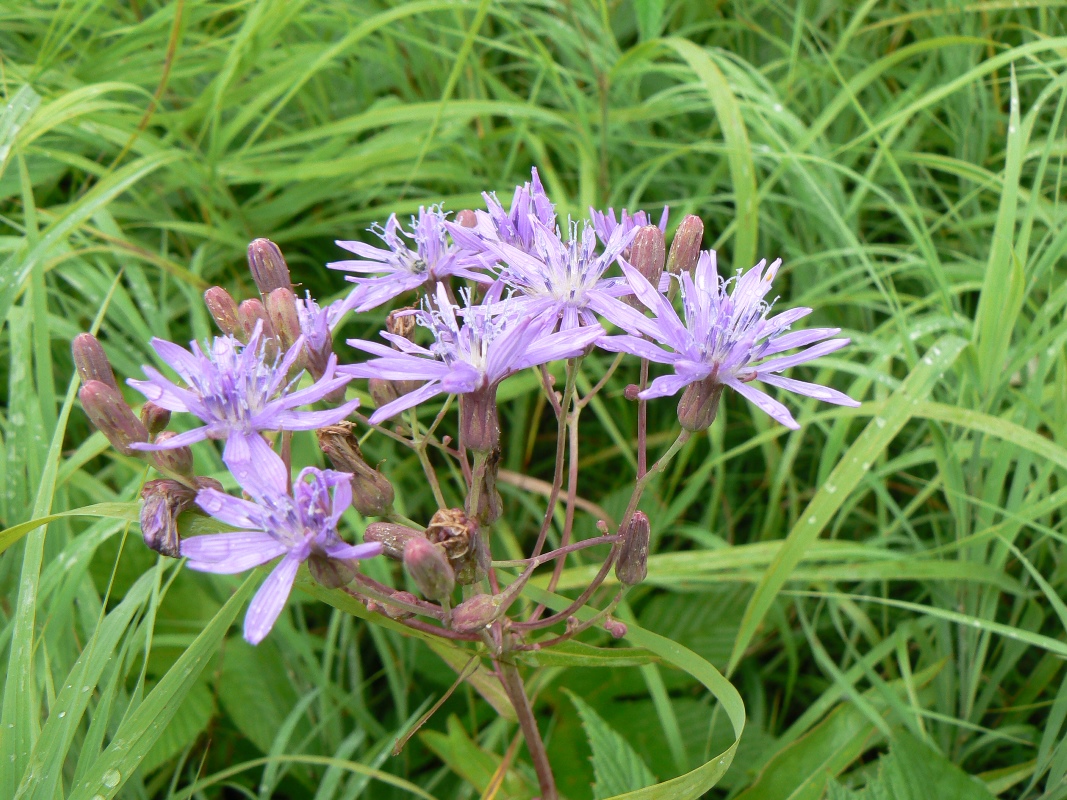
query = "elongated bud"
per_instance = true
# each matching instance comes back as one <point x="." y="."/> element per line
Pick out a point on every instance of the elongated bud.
<point x="402" y="323"/>
<point x="91" y="362"/>
<point x="154" y="418"/>
<point x="333" y="573"/>
<point x="479" y="422"/>
<point x="699" y="404"/>
<point x="284" y="319"/>
<point x="164" y="500"/>
<point x="685" y="249"/>
<point x="464" y="543"/>
<point x="467" y="218"/>
<point x="477" y="613"/>
<point x="490" y="506"/>
<point x="392" y="537"/>
<point x="372" y="494"/>
<point x="268" y="266"/>
<point x="223" y="309"/>
<point x="429" y="568"/>
<point x="648" y="252"/>
<point x="382" y="391"/>
<point x="112" y="417"/>
<point x="175" y="460"/>
<point x="632" y="564"/>
<point x="249" y="313"/>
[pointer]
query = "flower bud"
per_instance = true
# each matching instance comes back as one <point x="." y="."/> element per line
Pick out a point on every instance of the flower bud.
<point x="402" y="323"/>
<point x="699" y="404"/>
<point x="284" y="319"/>
<point x="223" y="309"/>
<point x="632" y="564"/>
<point x="463" y="541"/>
<point x="467" y="218"/>
<point x="382" y="391"/>
<point x="176" y="460"/>
<point x="372" y="494"/>
<point x="477" y="613"/>
<point x="154" y="418"/>
<point x="91" y="362"/>
<point x="395" y="612"/>
<point x="429" y="568"/>
<point x="333" y="573"/>
<point x="391" y="536"/>
<point x="631" y="391"/>
<point x="479" y="422"/>
<point x="112" y="417"/>
<point x="249" y="313"/>
<point x="615" y="627"/>
<point x="164" y="500"/>
<point x="647" y="254"/>
<point x="685" y="249"/>
<point x="490" y="506"/>
<point x="268" y="266"/>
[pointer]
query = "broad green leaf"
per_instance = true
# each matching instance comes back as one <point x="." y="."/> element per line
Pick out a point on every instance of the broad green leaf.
<point x="618" y="769"/>
<point x="473" y="763"/>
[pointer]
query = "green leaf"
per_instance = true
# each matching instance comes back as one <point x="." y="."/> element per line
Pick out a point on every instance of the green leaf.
<point x="579" y="654"/>
<point x="617" y="767"/>
<point x="16" y="114"/>
<point x="142" y="728"/>
<point x="475" y="765"/>
<point x="191" y="719"/>
<point x="649" y="18"/>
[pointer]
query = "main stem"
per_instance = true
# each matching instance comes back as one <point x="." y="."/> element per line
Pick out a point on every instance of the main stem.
<point x="516" y="691"/>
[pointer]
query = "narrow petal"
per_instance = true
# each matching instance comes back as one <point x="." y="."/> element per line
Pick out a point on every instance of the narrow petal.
<point x="270" y="600"/>
<point x="232" y="510"/>
<point x="785" y="362"/>
<point x="181" y="440"/>
<point x="410" y="400"/>
<point x="666" y="385"/>
<point x="368" y="550"/>
<point x="258" y="469"/>
<point x="227" y="553"/>
<point x="635" y="346"/>
<point x="824" y="393"/>
<point x="181" y="360"/>
<point x="309" y="420"/>
<point x="765" y="402"/>
<point x="790" y="341"/>
<point x="559" y="345"/>
<point x="165" y="393"/>
<point x="507" y="349"/>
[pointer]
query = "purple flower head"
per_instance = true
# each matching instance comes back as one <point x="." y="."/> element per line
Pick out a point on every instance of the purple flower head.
<point x="496" y="339"/>
<point x="605" y="222"/>
<point x="563" y="280"/>
<point x="299" y="527"/>
<point x="725" y="336"/>
<point x="511" y="227"/>
<point x="316" y="326"/>
<point x="398" y="267"/>
<point x="237" y="391"/>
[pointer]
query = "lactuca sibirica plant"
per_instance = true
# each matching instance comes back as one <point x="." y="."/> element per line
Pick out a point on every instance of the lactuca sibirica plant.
<point x="486" y="295"/>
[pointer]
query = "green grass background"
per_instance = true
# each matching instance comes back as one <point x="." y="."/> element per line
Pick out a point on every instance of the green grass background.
<point x="885" y="580"/>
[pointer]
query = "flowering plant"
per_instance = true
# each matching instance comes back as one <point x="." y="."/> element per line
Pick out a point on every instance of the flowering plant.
<point x="493" y="294"/>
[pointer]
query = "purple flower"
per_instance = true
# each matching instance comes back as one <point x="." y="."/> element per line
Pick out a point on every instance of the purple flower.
<point x="725" y="337"/>
<point x="495" y="340"/>
<point x="563" y="280"/>
<point x="299" y="527"/>
<point x="398" y="268"/>
<point x="511" y="227"/>
<point x="316" y="326"/>
<point x="605" y="223"/>
<point x="237" y="392"/>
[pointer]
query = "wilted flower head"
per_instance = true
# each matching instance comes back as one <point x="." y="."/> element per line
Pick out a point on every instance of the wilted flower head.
<point x="512" y="227"/>
<point x="605" y="223"/>
<point x="238" y="391"/>
<point x="301" y="527"/>
<point x="398" y="267"/>
<point x="725" y="335"/>
<point x="495" y="339"/>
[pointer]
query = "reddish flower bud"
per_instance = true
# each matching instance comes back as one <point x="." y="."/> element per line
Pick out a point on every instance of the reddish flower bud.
<point x="382" y="391"/>
<point x="154" y="418"/>
<point x="631" y="391"/>
<point x="429" y="568"/>
<point x="616" y="628"/>
<point x="479" y="422"/>
<point x="284" y="320"/>
<point x="91" y="361"/>
<point x="467" y="218"/>
<point x="249" y="313"/>
<point x="175" y="461"/>
<point x="372" y="494"/>
<point x="632" y="563"/>
<point x="699" y="404"/>
<point x="112" y="417"/>
<point x="268" y="266"/>
<point x="647" y="253"/>
<point x="685" y="249"/>
<point x="402" y="323"/>
<point x="333" y="573"/>
<point x="395" y="612"/>
<point x="223" y="309"/>
<point x="164" y="500"/>
<point x="392" y="537"/>
<point x="490" y="506"/>
<point x="477" y="613"/>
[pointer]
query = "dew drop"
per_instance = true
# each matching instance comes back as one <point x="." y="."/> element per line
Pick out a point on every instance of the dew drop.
<point x="778" y="107"/>
<point x="62" y="714"/>
<point x="811" y="520"/>
<point x="111" y="778"/>
<point x="927" y="360"/>
<point x="865" y="466"/>
<point x="85" y="689"/>
<point x="879" y="421"/>
<point x="830" y="488"/>
<point x="98" y="797"/>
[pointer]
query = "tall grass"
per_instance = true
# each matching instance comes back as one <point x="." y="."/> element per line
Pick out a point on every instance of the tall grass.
<point x="886" y="579"/>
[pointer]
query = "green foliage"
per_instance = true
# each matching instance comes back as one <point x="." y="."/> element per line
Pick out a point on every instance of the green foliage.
<point x="616" y="766"/>
<point x="881" y="587"/>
